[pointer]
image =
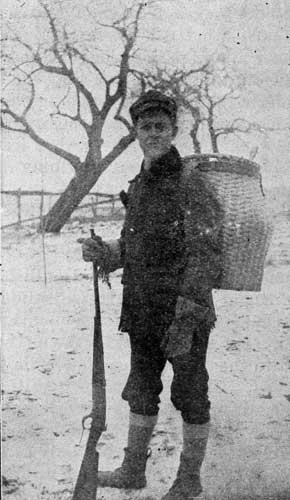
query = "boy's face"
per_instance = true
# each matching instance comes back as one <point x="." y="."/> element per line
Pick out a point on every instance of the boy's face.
<point x="155" y="133"/>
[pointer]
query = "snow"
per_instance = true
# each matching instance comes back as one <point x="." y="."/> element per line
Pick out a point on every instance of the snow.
<point x="46" y="345"/>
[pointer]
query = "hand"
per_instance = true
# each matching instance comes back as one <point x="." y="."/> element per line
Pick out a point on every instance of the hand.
<point x="178" y="340"/>
<point x="93" y="249"/>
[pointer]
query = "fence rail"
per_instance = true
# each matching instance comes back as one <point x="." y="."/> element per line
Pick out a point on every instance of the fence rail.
<point x="108" y="203"/>
<point x="24" y="192"/>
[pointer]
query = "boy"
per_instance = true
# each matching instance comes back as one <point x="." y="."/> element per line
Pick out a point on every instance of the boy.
<point x="167" y="306"/>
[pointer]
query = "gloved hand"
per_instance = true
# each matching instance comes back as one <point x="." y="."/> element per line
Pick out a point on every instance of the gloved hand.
<point x="94" y="249"/>
<point x="188" y="316"/>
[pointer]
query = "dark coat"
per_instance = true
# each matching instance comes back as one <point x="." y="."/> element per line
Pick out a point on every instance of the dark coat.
<point x="156" y="252"/>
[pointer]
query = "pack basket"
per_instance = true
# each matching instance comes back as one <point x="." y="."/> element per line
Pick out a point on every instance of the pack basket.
<point x="246" y="228"/>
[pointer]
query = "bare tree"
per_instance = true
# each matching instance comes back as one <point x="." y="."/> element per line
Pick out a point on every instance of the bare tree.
<point x="214" y="93"/>
<point x="205" y="93"/>
<point x="64" y="58"/>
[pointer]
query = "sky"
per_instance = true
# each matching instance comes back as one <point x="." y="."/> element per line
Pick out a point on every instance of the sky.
<point x="252" y="34"/>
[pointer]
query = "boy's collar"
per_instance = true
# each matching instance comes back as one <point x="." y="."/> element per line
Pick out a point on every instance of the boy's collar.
<point x="168" y="164"/>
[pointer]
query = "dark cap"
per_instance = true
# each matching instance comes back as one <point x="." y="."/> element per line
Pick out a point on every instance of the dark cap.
<point x="153" y="100"/>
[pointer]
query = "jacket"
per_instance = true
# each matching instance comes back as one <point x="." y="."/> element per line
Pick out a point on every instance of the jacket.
<point x="169" y="249"/>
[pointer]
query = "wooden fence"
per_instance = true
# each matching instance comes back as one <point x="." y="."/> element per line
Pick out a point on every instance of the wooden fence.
<point x="104" y="204"/>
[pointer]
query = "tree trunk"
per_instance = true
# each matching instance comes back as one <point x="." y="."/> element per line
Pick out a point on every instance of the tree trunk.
<point x="195" y="141"/>
<point x="214" y="143"/>
<point x="212" y="133"/>
<point x="69" y="200"/>
<point x="81" y="184"/>
<point x="195" y="112"/>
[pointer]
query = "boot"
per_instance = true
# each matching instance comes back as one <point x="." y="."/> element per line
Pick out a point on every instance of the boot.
<point x="131" y="474"/>
<point x="187" y="484"/>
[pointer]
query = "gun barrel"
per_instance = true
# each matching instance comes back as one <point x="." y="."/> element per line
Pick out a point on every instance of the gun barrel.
<point x="87" y="481"/>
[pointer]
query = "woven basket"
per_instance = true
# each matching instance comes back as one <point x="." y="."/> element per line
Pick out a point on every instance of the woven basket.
<point x="247" y="229"/>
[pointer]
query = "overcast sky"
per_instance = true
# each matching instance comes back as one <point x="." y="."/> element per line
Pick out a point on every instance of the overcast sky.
<point x="253" y="34"/>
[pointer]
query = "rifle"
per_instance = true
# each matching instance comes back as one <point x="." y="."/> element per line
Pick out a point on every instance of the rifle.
<point x="87" y="481"/>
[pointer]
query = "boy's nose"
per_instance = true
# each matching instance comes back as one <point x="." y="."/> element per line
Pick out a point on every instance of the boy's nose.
<point x="153" y="130"/>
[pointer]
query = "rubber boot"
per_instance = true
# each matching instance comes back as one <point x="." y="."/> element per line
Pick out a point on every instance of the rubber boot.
<point x="131" y="474"/>
<point x="187" y="484"/>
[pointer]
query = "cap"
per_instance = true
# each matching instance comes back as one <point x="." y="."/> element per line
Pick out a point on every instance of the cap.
<point x="153" y="100"/>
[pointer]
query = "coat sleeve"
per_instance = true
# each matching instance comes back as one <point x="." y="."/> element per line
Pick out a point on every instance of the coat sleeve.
<point x="203" y="218"/>
<point x="116" y="248"/>
<point x="203" y="265"/>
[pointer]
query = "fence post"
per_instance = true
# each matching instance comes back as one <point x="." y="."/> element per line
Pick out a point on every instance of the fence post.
<point x="41" y="207"/>
<point x="19" y="207"/>
<point x="93" y="206"/>
<point x="42" y="235"/>
<point x="96" y="207"/>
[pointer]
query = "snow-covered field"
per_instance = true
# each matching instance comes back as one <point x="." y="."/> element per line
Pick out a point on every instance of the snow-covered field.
<point x="46" y="345"/>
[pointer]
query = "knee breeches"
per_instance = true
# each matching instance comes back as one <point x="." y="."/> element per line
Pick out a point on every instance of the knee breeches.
<point x="189" y="388"/>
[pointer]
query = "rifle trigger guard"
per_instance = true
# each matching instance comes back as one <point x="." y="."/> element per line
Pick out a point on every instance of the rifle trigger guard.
<point x="86" y="417"/>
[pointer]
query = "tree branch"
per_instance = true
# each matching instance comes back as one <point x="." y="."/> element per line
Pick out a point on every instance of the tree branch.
<point x="75" y="118"/>
<point x="130" y="39"/>
<point x="26" y="45"/>
<point x="121" y="118"/>
<point x="74" y="160"/>
<point x="56" y="40"/>
<point x="225" y="96"/>
<point x="85" y="59"/>
<point x="32" y="97"/>
<point x="243" y="126"/>
<point x="64" y="69"/>
<point x="123" y="143"/>
<point x="69" y="73"/>
<point x="68" y="47"/>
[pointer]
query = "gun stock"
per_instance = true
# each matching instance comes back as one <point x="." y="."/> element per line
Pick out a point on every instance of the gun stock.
<point x="87" y="481"/>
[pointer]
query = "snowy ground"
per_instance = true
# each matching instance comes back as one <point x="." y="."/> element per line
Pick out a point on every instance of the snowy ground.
<point x="47" y="339"/>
